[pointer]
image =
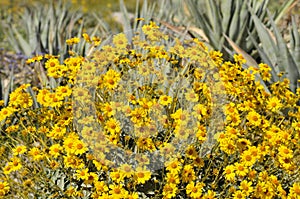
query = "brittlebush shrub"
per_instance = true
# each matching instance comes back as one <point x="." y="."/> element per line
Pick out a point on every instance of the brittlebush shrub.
<point x="150" y="118"/>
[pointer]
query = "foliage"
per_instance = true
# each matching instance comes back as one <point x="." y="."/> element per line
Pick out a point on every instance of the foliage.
<point x="36" y="29"/>
<point x="151" y="112"/>
<point x="231" y="18"/>
<point x="275" y="52"/>
<point x="196" y="124"/>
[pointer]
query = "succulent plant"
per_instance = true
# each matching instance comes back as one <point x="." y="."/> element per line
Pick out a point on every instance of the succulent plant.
<point x="276" y="52"/>
<point x="231" y="18"/>
<point x="44" y="29"/>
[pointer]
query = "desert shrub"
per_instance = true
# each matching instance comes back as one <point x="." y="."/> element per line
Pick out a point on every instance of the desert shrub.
<point x="151" y="118"/>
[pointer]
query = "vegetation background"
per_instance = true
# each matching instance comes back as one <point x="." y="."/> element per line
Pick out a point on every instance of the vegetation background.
<point x="254" y="45"/>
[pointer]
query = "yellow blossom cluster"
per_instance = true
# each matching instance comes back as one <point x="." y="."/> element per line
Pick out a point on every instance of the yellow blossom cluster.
<point x="143" y="118"/>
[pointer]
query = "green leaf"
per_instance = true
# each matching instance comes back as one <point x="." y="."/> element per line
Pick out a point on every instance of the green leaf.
<point x="285" y="60"/>
<point x="9" y="87"/>
<point x="26" y="48"/>
<point x="235" y="22"/>
<point x="226" y="8"/>
<point x="127" y="27"/>
<point x="295" y="37"/>
<point x="215" y="16"/>
<point x="267" y="41"/>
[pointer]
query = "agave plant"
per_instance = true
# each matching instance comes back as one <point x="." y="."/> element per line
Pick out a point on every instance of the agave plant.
<point x="230" y="18"/>
<point x="44" y="29"/>
<point x="274" y="50"/>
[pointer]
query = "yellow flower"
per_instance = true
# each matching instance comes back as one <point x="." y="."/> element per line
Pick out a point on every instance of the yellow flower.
<point x="216" y="56"/>
<point x="240" y="169"/>
<point x="71" y="191"/>
<point x="242" y="143"/>
<point x="191" y="152"/>
<point x="107" y="109"/>
<point x="144" y="143"/>
<point x="209" y="195"/>
<point x="227" y="145"/>
<point x="74" y="40"/>
<point x="174" y="166"/>
<point x="68" y="145"/>
<point x="6" y="112"/>
<point x="238" y="58"/>
<point x="264" y="67"/>
<point x="63" y="91"/>
<point x="15" y="164"/>
<point x="41" y="97"/>
<point x="53" y="100"/>
<point x="117" y="191"/>
<point x="72" y="161"/>
<point x="229" y="172"/>
<point x="79" y="147"/>
<point x="96" y="41"/>
<point x="246" y="187"/>
<point x="20" y="99"/>
<point x="286" y="163"/>
<point x="111" y="79"/>
<point x="116" y="176"/>
<point x="264" y="70"/>
<point x="274" y="104"/>
<point x="28" y="183"/>
<point x="19" y="150"/>
<point x="239" y="195"/>
<point x="36" y="153"/>
<point x="138" y="116"/>
<point x="92" y="177"/>
<point x="82" y="174"/>
<point x="81" y="94"/>
<point x="191" y="96"/>
<point x="247" y="158"/>
<point x="148" y="29"/>
<point x="145" y="103"/>
<point x="113" y="126"/>
<point x="169" y="190"/>
<point x="188" y="173"/>
<point x="254" y="118"/>
<point x="7" y="169"/>
<point x="133" y="195"/>
<point x="4" y="188"/>
<point x="294" y="191"/>
<point x="194" y="190"/>
<point x="54" y="150"/>
<point x="57" y="132"/>
<point x="200" y="111"/>
<point x="201" y="132"/>
<point x="165" y="100"/>
<point x="54" y="164"/>
<point x="86" y="37"/>
<point x="126" y="170"/>
<point x="180" y="116"/>
<point x="142" y="175"/>
<point x="100" y="186"/>
<point x="120" y="40"/>
<point x="172" y="178"/>
<point x="285" y="151"/>
<point x="52" y="63"/>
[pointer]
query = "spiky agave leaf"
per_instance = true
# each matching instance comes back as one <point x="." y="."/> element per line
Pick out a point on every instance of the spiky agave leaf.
<point x="295" y="41"/>
<point x="276" y="54"/>
<point x="232" y="18"/>
<point x="44" y="29"/>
